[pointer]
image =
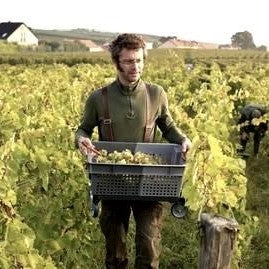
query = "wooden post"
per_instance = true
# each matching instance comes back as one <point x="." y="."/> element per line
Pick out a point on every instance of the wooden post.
<point x="218" y="236"/>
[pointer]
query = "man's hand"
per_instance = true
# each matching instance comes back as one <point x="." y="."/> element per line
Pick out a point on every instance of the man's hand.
<point x="244" y="136"/>
<point x="186" y="145"/>
<point x="85" y="145"/>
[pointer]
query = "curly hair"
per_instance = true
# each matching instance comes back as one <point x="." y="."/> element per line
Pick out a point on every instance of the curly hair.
<point x="126" y="41"/>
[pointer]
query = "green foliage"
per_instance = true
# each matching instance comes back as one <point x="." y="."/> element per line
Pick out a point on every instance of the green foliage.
<point x="8" y="48"/>
<point x="44" y="213"/>
<point x="68" y="58"/>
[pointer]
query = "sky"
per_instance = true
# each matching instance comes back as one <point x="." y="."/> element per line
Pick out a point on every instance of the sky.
<point x="214" y="21"/>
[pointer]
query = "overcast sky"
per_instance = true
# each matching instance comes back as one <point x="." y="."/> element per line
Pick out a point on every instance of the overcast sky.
<point x="201" y="20"/>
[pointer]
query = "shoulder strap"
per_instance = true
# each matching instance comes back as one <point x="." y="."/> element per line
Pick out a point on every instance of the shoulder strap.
<point x="107" y="120"/>
<point x="149" y="125"/>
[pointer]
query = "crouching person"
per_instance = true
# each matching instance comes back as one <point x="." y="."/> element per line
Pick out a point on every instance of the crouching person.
<point x="248" y="125"/>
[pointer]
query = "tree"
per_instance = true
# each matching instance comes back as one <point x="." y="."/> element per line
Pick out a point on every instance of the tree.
<point x="244" y="40"/>
<point x="166" y="38"/>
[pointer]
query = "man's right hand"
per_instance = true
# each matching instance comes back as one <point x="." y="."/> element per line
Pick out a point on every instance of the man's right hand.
<point x="84" y="145"/>
<point x="244" y="136"/>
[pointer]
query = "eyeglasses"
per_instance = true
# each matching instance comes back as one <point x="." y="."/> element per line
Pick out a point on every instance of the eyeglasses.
<point x="131" y="61"/>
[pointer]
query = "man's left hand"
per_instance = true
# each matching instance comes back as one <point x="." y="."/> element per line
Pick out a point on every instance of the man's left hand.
<point x="186" y="145"/>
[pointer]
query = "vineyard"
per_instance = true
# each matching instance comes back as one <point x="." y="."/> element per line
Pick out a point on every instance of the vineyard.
<point x="44" y="203"/>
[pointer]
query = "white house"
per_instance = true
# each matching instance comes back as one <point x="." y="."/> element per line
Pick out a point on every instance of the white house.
<point x="17" y="32"/>
<point x="228" y="47"/>
<point x="149" y="45"/>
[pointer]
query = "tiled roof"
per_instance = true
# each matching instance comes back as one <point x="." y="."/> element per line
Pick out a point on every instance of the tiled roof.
<point x="7" y="28"/>
<point x="86" y="42"/>
<point x="179" y="43"/>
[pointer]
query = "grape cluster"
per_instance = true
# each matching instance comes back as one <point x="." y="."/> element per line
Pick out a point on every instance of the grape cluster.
<point x="127" y="157"/>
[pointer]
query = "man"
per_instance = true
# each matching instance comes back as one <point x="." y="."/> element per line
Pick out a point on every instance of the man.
<point x="129" y="110"/>
<point x="247" y="125"/>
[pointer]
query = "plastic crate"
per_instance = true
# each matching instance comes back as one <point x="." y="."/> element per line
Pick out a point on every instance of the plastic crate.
<point x="138" y="182"/>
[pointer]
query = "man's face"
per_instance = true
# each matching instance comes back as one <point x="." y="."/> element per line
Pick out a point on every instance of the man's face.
<point x="131" y="63"/>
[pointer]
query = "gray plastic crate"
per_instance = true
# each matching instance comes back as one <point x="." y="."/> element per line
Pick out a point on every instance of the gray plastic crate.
<point x="138" y="182"/>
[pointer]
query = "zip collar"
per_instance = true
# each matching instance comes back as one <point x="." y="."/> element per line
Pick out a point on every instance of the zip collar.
<point x="130" y="90"/>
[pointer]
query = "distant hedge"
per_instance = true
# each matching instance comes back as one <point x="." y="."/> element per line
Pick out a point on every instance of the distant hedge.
<point x="69" y="59"/>
<point x="189" y="55"/>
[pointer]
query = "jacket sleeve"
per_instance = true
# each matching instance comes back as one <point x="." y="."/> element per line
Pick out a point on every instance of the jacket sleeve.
<point x="166" y="124"/>
<point x="89" y="120"/>
<point x="242" y="119"/>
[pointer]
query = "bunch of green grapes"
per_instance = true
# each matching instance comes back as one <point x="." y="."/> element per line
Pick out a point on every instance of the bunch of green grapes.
<point x="127" y="157"/>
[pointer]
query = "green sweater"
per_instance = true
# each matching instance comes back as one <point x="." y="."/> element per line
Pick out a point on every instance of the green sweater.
<point x="127" y="110"/>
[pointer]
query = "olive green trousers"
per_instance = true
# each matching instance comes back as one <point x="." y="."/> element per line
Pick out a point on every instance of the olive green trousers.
<point x="114" y="222"/>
